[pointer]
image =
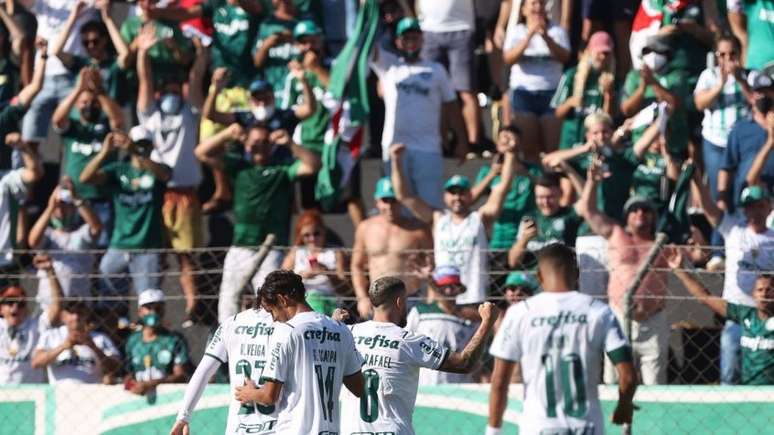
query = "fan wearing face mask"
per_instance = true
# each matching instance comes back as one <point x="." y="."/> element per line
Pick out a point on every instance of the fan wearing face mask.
<point x="171" y="121"/>
<point x="658" y="82"/>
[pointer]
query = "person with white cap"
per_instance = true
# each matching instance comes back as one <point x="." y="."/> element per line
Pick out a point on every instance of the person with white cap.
<point x="460" y="231"/>
<point x="627" y="247"/>
<point x="749" y="246"/>
<point x="137" y="189"/>
<point x="154" y="354"/>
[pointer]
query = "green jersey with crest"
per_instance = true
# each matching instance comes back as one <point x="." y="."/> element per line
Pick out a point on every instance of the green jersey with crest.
<point x="757" y="344"/>
<point x="155" y="359"/>
<point x="81" y="142"/>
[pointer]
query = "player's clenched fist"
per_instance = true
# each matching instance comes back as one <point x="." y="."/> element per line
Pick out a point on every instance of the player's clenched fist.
<point x="488" y="313"/>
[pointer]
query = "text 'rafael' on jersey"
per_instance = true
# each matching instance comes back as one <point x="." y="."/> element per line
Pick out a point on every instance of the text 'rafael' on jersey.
<point x="558" y="338"/>
<point x="310" y="355"/>
<point x="392" y="359"/>
<point x="242" y="341"/>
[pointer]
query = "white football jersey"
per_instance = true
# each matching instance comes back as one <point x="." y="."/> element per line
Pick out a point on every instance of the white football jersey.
<point x="16" y="347"/>
<point x="310" y="355"/>
<point x="558" y="338"/>
<point x="392" y="359"/>
<point x="449" y="330"/>
<point x="242" y="341"/>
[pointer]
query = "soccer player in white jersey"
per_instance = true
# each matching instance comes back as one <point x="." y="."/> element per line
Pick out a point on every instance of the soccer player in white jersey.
<point x="393" y="357"/>
<point x="558" y="338"/>
<point x="242" y="342"/>
<point x="311" y="356"/>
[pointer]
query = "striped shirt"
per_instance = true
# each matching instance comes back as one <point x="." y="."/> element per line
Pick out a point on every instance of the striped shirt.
<point x="721" y="115"/>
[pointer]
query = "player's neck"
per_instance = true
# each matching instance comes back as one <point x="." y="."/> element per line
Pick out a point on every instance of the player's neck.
<point x="297" y="309"/>
<point x="385" y="316"/>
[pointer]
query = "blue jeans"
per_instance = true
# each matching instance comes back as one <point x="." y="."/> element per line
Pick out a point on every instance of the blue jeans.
<point x="38" y="118"/>
<point x="730" y="353"/>
<point x="713" y="161"/>
<point x="143" y="269"/>
<point x="424" y="171"/>
<point x="104" y="210"/>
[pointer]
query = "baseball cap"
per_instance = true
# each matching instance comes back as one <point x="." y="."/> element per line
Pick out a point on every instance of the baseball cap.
<point x="384" y="189"/>
<point x="259" y="86"/>
<point x="150" y="296"/>
<point x="446" y="275"/>
<point x="306" y="28"/>
<point x="658" y="44"/>
<point x="521" y="279"/>
<point x="600" y="42"/>
<point x="460" y="181"/>
<point x="637" y="200"/>
<point x="759" y="80"/>
<point x="406" y="24"/>
<point x="751" y="194"/>
<point x="138" y="133"/>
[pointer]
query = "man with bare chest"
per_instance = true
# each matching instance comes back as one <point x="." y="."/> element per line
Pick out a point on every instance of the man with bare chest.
<point x="388" y="244"/>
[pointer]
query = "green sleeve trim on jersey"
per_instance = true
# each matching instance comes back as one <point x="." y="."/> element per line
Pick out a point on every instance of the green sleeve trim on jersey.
<point x="265" y="379"/>
<point x="425" y="308"/>
<point x="213" y="356"/>
<point x="622" y="354"/>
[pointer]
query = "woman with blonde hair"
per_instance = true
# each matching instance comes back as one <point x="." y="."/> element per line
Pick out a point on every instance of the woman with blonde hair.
<point x="585" y="89"/>
<point x="321" y="266"/>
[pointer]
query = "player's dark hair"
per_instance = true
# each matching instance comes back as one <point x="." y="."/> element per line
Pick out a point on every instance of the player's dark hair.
<point x="560" y="259"/>
<point x="282" y="282"/>
<point x="385" y="289"/>
<point x="551" y="180"/>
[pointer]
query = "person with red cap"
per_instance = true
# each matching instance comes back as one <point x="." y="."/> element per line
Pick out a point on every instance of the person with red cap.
<point x="20" y="332"/>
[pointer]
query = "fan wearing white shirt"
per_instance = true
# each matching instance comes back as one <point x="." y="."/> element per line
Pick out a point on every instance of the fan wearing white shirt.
<point x="558" y="338"/>
<point x="311" y="357"/>
<point x="393" y="358"/>
<point x="73" y="353"/>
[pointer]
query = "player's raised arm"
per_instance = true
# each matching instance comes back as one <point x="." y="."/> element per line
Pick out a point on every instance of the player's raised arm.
<point x="463" y="362"/>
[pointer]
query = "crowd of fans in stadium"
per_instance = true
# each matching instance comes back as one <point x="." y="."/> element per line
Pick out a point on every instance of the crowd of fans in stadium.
<point x="601" y="130"/>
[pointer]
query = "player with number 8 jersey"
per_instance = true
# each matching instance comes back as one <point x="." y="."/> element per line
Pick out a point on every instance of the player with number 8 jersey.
<point x="393" y="357"/>
<point x="311" y="357"/>
<point x="242" y="343"/>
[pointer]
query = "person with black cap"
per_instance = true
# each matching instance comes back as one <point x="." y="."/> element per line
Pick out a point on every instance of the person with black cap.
<point x="460" y="232"/>
<point x="137" y="188"/>
<point x="627" y="248"/>
<point x="312" y="356"/>
<point x="20" y="331"/>
<point x="749" y="246"/>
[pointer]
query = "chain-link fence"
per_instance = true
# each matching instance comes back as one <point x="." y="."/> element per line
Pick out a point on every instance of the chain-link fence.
<point x="689" y="398"/>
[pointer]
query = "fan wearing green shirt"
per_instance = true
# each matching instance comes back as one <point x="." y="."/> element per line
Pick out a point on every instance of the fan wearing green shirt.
<point x="263" y="189"/>
<point x="551" y="223"/>
<point x="757" y="322"/>
<point x="520" y="199"/>
<point x="96" y="37"/>
<point x="274" y="47"/>
<point x="172" y="55"/>
<point x="82" y="132"/>
<point x="311" y="132"/>
<point x="154" y="354"/>
<point x="752" y="21"/>
<point x="137" y="188"/>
